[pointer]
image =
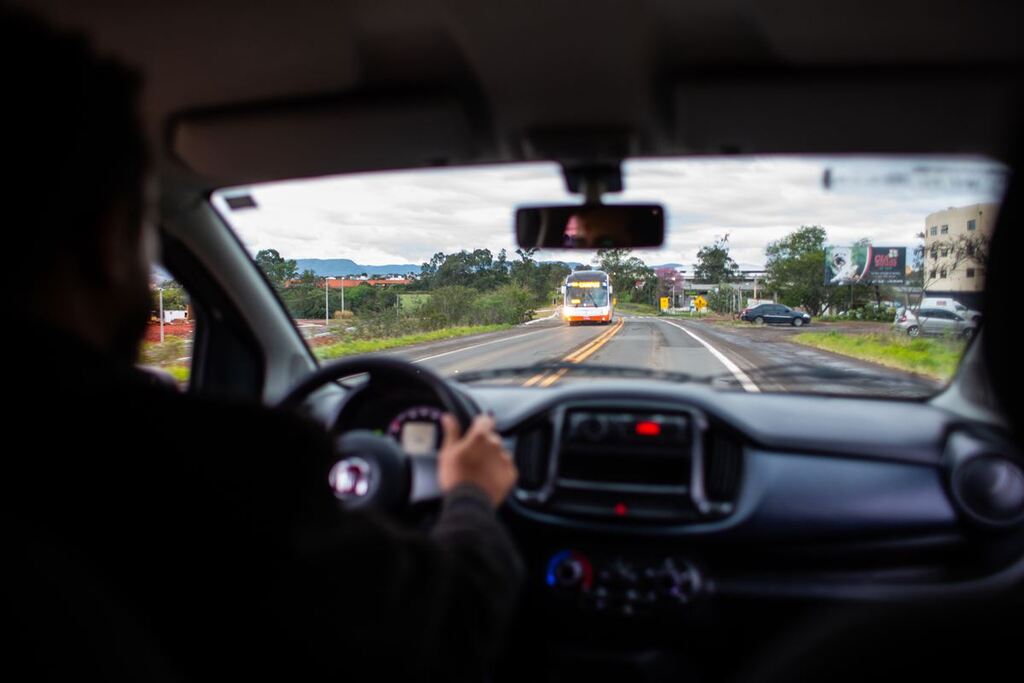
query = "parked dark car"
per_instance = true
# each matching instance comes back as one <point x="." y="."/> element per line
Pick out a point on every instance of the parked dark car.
<point x="775" y="314"/>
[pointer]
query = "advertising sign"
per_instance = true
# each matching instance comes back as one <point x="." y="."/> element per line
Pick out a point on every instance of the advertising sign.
<point x="865" y="264"/>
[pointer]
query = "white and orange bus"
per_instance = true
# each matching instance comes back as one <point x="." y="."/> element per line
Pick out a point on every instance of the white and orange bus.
<point x="587" y="297"/>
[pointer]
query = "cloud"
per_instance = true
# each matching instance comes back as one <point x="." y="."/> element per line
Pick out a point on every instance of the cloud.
<point x="405" y="217"/>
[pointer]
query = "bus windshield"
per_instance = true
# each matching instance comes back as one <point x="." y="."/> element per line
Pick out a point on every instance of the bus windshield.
<point x="585" y="296"/>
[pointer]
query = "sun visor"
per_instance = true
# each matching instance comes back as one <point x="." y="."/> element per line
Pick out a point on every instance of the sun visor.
<point x="253" y="145"/>
<point x="832" y="112"/>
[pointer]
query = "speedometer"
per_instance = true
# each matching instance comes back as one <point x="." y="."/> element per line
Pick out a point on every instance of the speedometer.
<point x="417" y="429"/>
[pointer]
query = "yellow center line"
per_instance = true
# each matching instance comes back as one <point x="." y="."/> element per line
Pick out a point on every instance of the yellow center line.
<point x="547" y="378"/>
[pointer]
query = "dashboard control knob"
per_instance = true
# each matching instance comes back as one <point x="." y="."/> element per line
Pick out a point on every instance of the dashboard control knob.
<point x="569" y="569"/>
<point x="679" y="581"/>
<point x="569" y="572"/>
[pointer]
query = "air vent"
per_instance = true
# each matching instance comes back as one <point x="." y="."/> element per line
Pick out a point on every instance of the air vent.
<point x="723" y="466"/>
<point x="533" y="449"/>
<point x="987" y="479"/>
<point x="990" y="489"/>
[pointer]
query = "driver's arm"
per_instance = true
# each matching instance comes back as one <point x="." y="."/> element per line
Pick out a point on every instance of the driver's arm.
<point x="424" y="605"/>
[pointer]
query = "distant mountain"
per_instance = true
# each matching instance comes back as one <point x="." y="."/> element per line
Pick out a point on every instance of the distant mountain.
<point x="344" y="266"/>
<point x="570" y="264"/>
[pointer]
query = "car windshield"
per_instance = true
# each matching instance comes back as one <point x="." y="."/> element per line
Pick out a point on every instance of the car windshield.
<point x="782" y="273"/>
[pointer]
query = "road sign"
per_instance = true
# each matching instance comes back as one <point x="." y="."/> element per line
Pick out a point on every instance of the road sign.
<point x="700" y="303"/>
<point x="664" y="303"/>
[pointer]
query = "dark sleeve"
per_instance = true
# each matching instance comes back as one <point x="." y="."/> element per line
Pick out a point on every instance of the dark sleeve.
<point x="420" y="606"/>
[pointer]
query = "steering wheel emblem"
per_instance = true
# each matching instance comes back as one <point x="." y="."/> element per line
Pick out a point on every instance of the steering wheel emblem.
<point x="350" y="478"/>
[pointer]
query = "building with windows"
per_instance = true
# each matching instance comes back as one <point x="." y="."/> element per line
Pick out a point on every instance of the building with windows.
<point x="951" y="239"/>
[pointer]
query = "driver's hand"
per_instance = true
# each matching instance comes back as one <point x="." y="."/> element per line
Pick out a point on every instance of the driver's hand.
<point x="477" y="458"/>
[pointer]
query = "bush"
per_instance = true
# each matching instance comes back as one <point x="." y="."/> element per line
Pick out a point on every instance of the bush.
<point x="721" y="300"/>
<point x="874" y="313"/>
<point x="508" y="305"/>
<point x="447" y="307"/>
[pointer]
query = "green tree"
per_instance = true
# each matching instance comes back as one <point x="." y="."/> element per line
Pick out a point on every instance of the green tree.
<point x="722" y="299"/>
<point x="632" y="279"/>
<point x="304" y="296"/>
<point x="795" y="269"/>
<point x="369" y="300"/>
<point x="277" y="269"/>
<point x="714" y="263"/>
<point x="523" y="271"/>
<point x="175" y="297"/>
<point x="548" y="280"/>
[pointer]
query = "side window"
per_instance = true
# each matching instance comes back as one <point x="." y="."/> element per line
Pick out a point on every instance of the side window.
<point x="167" y="347"/>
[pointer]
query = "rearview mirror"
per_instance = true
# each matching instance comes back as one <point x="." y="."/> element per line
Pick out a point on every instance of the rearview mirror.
<point x="599" y="226"/>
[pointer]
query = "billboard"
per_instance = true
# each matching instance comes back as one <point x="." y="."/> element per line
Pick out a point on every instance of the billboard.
<point x="865" y="264"/>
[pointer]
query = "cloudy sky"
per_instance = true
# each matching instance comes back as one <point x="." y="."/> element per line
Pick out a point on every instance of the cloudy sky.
<point x="405" y="217"/>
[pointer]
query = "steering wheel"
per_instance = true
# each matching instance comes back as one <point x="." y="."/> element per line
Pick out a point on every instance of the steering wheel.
<point x="372" y="470"/>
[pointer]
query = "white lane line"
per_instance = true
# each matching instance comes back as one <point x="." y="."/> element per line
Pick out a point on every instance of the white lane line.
<point x="741" y="377"/>
<point x="530" y="322"/>
<point x="476" y="346"/>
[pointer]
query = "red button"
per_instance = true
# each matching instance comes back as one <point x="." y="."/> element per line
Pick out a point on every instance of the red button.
<point x="648" y="428"/>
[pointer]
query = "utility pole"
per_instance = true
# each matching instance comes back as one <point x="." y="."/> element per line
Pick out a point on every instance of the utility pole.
<point x="161" y="315"/>
<point x="327" y="299"/>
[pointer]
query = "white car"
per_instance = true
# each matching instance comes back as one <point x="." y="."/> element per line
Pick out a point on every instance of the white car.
<point x="951" y="305"/>
<point x="944" y="304"/>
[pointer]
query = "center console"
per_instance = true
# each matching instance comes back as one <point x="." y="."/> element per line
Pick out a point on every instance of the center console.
<point x="642" y="466"/>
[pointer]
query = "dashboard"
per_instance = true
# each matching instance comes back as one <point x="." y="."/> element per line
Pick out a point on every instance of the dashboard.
<point x="410" y="417"/>
<point x="648" y="499"/>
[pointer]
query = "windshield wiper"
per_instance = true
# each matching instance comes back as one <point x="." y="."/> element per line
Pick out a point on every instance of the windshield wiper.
<point x="578" y="369"/>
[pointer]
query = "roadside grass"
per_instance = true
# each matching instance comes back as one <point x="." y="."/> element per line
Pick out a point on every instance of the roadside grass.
<point x="543" y="311"/>
<point x="683" y="314"/>
<point x="180" y="373"/>
<point x="351" y="347"/>
<point x="934" y="357"/>
<point x="639" y="309"/>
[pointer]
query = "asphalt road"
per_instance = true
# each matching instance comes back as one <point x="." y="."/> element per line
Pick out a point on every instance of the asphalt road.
<point x="760" y="359"/>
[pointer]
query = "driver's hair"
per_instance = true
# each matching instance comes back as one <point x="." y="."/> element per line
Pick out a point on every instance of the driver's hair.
<point x="74" y="145"/>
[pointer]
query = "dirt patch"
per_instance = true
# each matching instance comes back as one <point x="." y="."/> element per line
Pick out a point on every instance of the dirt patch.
<point x="170" y="329"/>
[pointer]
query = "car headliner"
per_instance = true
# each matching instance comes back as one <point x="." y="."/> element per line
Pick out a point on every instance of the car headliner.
<point x="241" y="92"/>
